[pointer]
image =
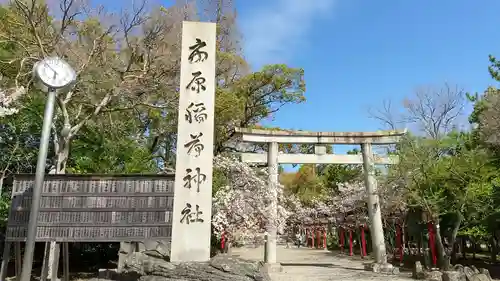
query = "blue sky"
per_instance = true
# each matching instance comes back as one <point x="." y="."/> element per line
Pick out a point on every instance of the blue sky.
<point x="356" y="53"/>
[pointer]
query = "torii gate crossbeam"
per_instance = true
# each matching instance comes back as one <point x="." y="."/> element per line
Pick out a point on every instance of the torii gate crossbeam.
<point x="317" y="159"/>
<point x="273" y="158"/>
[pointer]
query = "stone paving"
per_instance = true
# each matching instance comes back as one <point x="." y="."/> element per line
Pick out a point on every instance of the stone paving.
<point x="317" y="265"/>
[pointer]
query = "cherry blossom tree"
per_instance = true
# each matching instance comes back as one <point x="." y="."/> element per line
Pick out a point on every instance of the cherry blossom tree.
<point x="350" y="199"/>
<point x="241" y="207"/>
<point x="7" y="99"/>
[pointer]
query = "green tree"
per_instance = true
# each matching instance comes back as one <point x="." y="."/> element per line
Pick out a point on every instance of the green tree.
<point x="139" y="78"/>
<point x="485" y="119"/>
<point x="306" y="185"/>
<point x="441" y="177"/>
<point x="334" y="174"/>
<point x="110" y="149"/>
<point x="19" y="140"/>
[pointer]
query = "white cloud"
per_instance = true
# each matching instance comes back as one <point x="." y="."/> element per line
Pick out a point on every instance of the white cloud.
<point x="273" y="33"/>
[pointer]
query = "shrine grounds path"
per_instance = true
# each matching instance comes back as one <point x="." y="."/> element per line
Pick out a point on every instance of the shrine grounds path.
<point x="317" y="265"/>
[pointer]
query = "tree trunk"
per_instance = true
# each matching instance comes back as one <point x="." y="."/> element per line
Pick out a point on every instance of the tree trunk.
<point x="494" y="248"/>
<point x="455" y="251"/>
<point x="420" y="244"/>
<point x="473" y="249"/>
<point x="2" y="177"/>
<point x="453" y="238"/>
<point x="459" y="244"/>
<point x="62" y="154"/>
<point x="464" y="248"/>
<point x="443" y="258"/>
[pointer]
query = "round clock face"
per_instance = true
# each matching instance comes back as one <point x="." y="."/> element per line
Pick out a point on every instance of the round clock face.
<point x="55" y="72"/>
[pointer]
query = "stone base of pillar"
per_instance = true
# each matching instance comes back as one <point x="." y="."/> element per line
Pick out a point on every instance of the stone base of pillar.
<point x="385" y="268"/>
<point x="273" y="267"/>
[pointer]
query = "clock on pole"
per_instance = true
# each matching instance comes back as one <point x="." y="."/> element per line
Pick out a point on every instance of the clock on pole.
<point x="52" y="75"/>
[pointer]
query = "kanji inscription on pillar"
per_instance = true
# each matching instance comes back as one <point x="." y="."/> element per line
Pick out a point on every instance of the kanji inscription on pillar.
<point x="191" y="222"/>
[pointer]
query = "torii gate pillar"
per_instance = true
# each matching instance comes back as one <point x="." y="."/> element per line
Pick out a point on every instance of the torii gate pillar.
<point x="272" y="165"/>
<point x="376" y="226"/>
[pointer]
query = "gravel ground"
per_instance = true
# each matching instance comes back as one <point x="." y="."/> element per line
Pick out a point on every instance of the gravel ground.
<point x="318" y="265"/>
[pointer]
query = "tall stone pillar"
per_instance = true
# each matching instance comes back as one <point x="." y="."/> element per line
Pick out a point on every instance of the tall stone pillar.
<point x="375" y="217"/>
<point x="272" y="164"/>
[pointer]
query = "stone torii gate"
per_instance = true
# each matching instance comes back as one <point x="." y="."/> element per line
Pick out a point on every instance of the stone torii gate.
<point x="320" y="139"/>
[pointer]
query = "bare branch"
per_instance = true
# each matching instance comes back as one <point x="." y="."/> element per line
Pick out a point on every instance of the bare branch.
<point x="435" y="112"/>
<point x="386" y="116"/>
<point x="29" y="13"/>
